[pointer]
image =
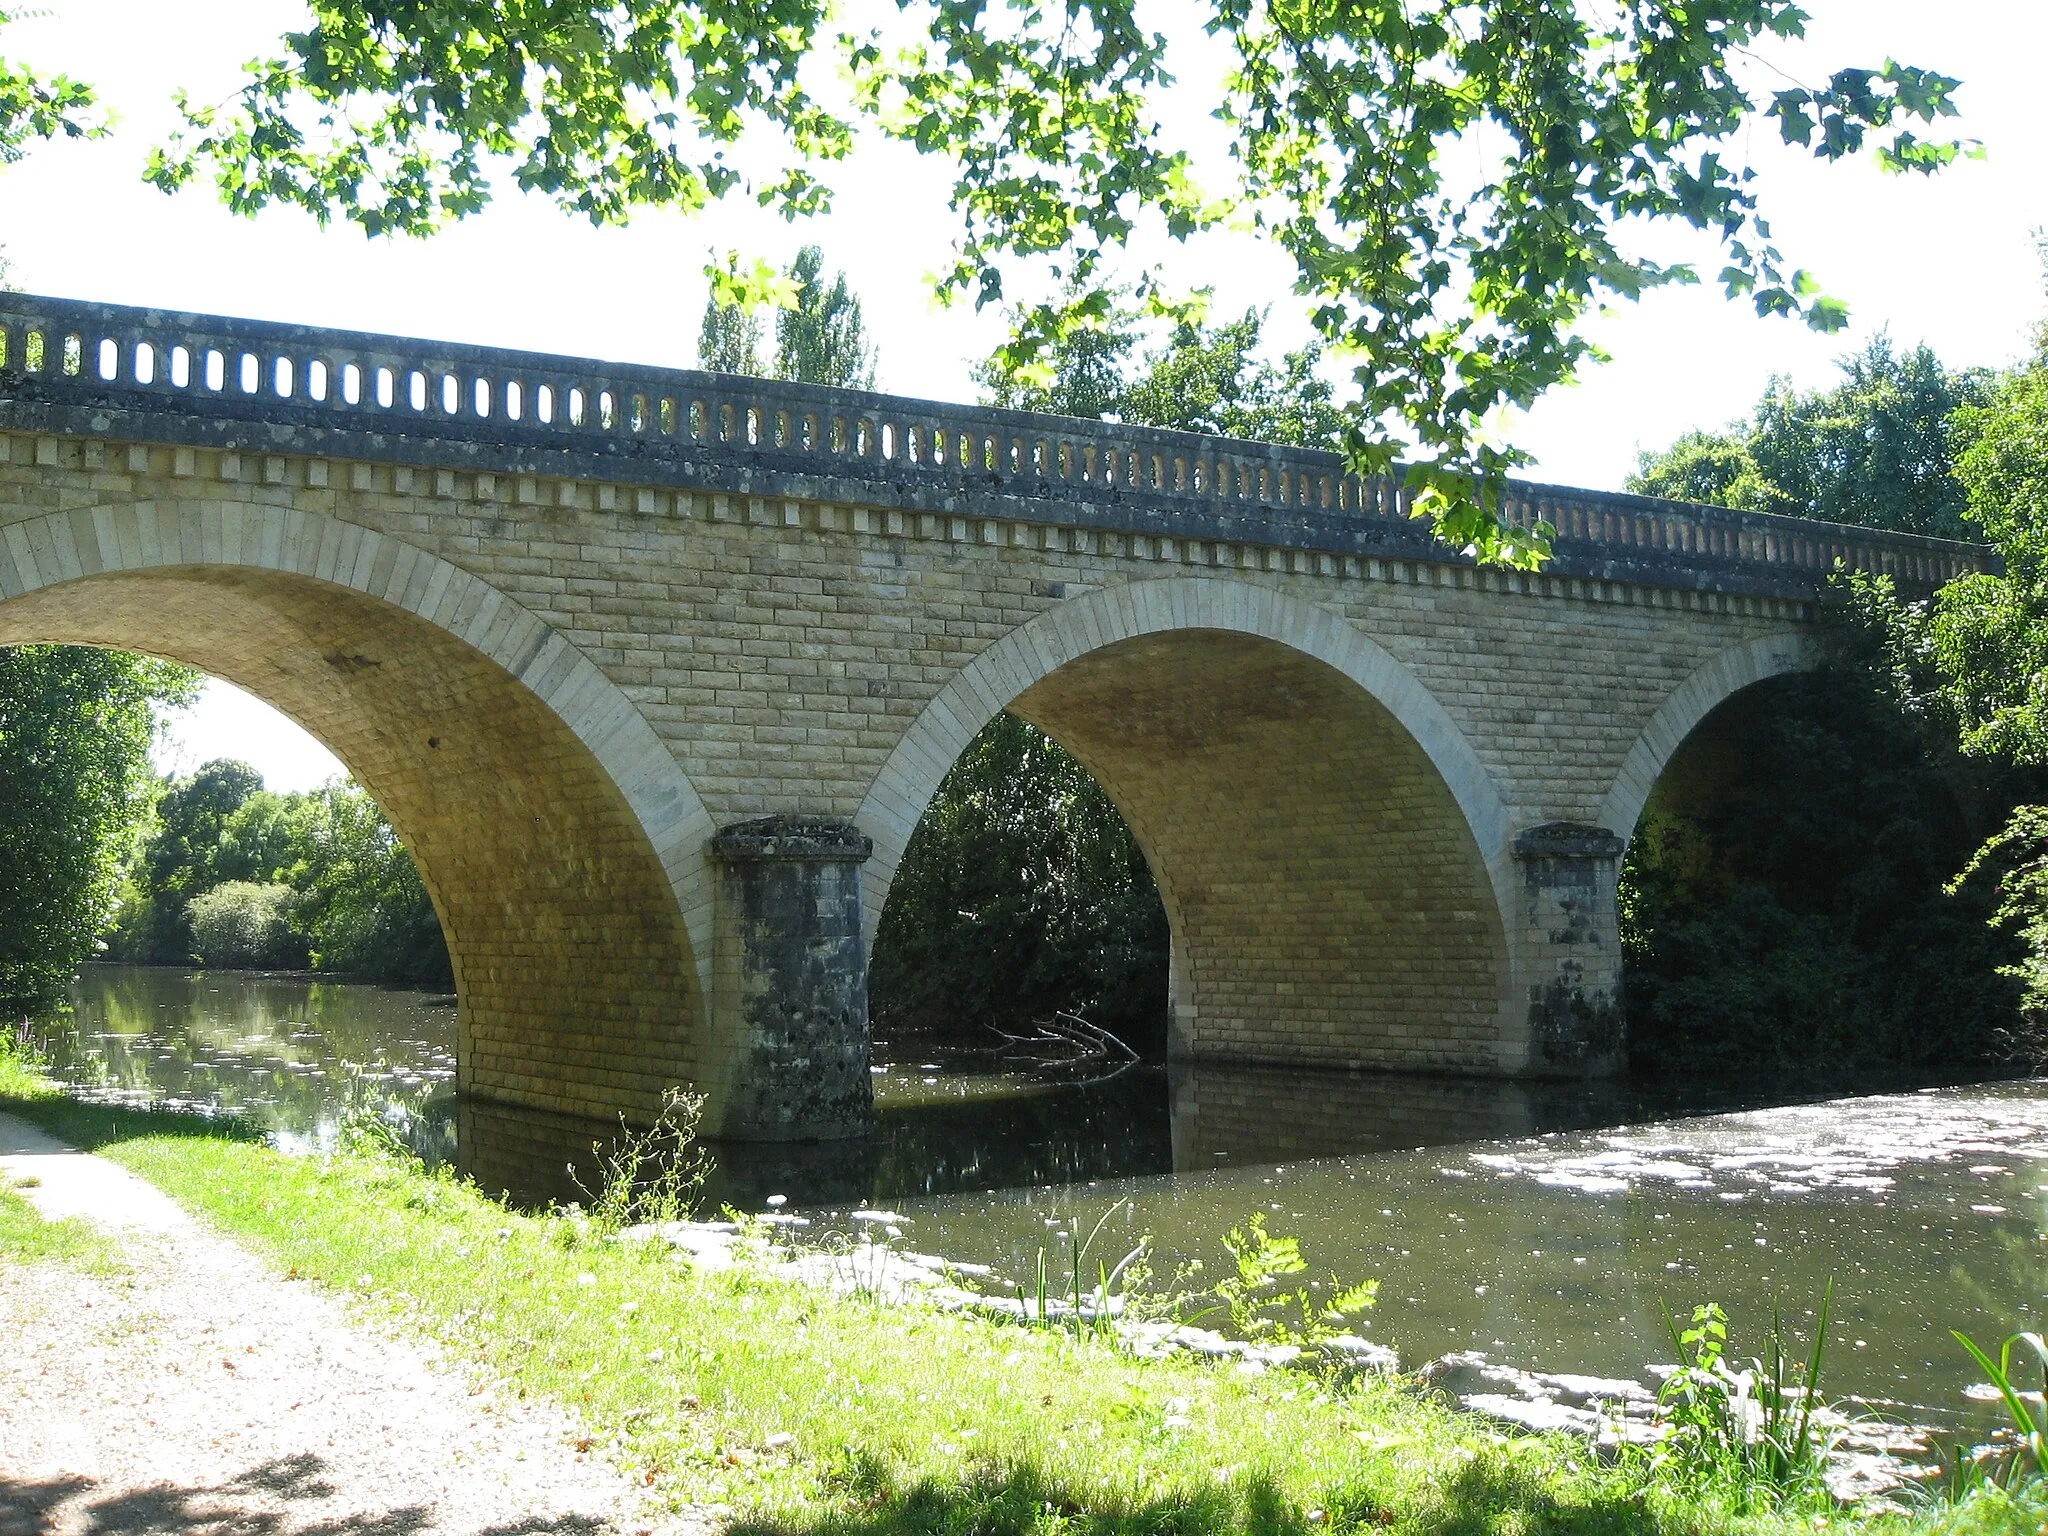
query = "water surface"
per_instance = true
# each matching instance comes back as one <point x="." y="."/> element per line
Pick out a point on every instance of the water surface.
<point x="1547" y="1225"/>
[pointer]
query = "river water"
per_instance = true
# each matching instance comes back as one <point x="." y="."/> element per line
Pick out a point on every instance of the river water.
<point x="1547" y="1226"/>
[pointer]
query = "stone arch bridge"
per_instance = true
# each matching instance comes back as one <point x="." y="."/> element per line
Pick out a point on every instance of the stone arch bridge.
<point x="655" y="672"/>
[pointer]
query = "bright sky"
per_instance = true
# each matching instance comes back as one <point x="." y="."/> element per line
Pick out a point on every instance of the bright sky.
<point x="1948" y="260"/>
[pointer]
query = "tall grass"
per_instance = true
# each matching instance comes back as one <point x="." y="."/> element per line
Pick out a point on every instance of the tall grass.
<point x="1745" y="1432"/>
<point x="2023" y="1457"/>
<point x="1088" y="1304"/>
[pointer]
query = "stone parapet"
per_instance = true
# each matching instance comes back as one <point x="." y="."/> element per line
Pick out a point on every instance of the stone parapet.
<point x="241" y="385"/>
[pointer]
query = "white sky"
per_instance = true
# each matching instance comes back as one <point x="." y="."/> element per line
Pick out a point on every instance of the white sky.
<point x="1948" y="260"/>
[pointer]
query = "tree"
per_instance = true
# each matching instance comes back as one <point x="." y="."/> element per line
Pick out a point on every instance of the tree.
<point x="1789" y="901"/>
<point x="190" y="819"/>
<point x="75" y="731"/>
<point x="729" y="340"/>
<point x="241" y="925"/>
<point x="820" y="337"/>
<point x="179" y="861"/>
<point x="1081" y="374"/>
<point x="1714" y="468"/>
<point x="1459" y="182"/>
<point x="264" y="840"/>
<point x="34" y="106"/>
<point x="1877" y="450"/>
<point x="365" y="910"/>
<point x="1210" y="379"/>
<point x="1989" y="632"/>
<point x="1021" y="892"/>
<point x="353" y="902"/>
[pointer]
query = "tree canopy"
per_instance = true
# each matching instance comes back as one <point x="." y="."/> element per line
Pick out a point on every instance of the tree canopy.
<point x="1989" y="633"/>
<point x="1877" y="450"/>
<point x="1458" y="182"/>
<point x="235" y="874"/>
<point x="75" y="731"/>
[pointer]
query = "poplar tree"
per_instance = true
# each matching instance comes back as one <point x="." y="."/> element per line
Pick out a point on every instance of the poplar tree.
<point x="821" y="338"/>
<point x="729" y="340"/>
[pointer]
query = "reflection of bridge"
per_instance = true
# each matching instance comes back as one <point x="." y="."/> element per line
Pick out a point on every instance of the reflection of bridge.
<point x="655" y="672"/>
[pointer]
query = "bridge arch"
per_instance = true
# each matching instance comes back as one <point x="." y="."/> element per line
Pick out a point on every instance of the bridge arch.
<point x="1331" y="853"/>
<point x="559" y="839"/>
<point x="1712" y="684"/>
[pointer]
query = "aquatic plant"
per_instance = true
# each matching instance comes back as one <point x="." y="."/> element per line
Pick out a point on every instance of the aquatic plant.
<point x="2024" y="1456"/>
<point x="1745" y="1433"/>
<point x="1086" y="1305"/>
<point x="1260" y="1311"/>
<point x="651" y="1175"/>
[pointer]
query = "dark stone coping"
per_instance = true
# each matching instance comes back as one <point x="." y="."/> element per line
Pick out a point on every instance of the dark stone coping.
<point x="1567" y="840"/>
<point x="807" y="839"/>
<point x="722" y="434"/>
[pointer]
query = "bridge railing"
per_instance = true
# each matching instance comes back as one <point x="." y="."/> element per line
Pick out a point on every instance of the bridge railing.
<point x="212" y="364"/>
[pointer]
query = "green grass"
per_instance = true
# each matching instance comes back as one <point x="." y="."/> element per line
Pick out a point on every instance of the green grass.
<point x="904" y="1422"/>
<point x="27" y="1238"/>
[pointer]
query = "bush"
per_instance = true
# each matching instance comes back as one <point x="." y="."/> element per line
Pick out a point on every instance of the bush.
<point x="1021" y="892"/>
<point x="248" y="926"/>
<point x="1783" y="905"/>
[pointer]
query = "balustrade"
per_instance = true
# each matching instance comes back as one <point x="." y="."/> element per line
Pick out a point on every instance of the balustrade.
<point x="190" y="362"/>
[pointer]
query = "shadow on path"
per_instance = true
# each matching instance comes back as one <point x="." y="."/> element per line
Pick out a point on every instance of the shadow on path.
<point x="259" y="1502"/>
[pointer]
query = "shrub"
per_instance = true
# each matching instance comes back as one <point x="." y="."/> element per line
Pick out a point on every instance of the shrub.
<point x="245" y="925"/>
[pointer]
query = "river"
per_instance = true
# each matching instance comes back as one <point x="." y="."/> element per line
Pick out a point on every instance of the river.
<point x="1547" y="1226"/>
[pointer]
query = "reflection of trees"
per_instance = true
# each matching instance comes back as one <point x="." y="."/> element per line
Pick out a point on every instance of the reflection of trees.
<point x="295" y="1056"/>
<point x="1066" y="1136"/>
<point x="2005" y="1281"/>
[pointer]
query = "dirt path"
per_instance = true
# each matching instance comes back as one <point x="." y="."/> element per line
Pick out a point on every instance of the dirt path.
<point x="201" y="1392"/>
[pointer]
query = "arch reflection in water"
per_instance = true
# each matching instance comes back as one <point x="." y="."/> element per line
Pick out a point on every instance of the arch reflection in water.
<point x="296" y="1055"/>
<point x="964" y="1125"/>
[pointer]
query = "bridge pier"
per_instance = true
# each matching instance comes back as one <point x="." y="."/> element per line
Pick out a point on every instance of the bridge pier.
<point x="1570" y="943"/>
<point x="790" y="980"/>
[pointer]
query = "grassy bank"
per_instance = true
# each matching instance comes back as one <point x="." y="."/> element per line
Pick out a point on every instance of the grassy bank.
<point x="25" y="1238"/>
<point x="803" y="1413"/>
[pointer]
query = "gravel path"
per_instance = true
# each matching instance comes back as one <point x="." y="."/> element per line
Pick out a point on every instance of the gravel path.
<point x="201" y="1392"/>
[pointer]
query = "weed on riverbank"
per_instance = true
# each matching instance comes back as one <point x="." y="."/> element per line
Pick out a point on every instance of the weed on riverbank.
<point x="809" y="1415"/>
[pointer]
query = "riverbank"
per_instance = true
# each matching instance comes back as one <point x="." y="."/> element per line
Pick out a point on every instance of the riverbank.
<point x="160" y="1378"/>
<point x="792" y="1411"/>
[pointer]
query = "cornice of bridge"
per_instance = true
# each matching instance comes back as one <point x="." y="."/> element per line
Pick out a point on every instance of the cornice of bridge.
<point x="77" y="369"/>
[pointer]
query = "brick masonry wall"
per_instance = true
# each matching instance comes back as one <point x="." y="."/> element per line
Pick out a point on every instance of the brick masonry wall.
<point x="632" y="667"/>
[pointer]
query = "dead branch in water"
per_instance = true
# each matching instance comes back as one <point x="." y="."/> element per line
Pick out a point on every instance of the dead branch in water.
<point x="1089" y="1042"/>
